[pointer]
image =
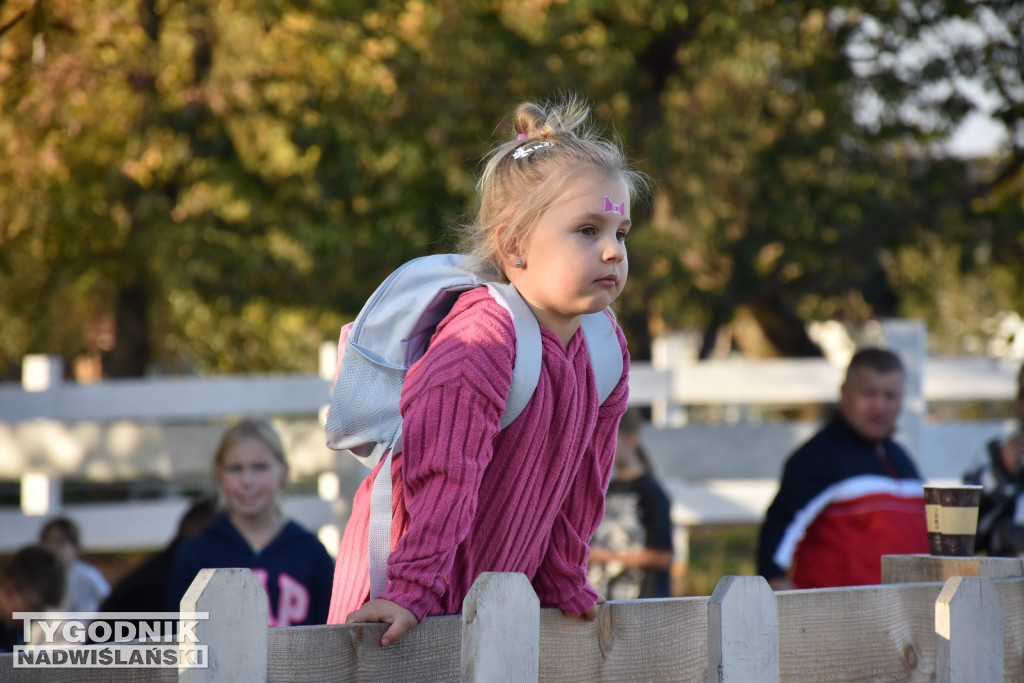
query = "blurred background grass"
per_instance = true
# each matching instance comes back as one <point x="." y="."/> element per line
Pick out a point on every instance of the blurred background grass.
<point x="717" y="551"/>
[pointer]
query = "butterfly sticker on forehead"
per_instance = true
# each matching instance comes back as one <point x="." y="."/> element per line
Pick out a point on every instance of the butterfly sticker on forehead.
<point x="612" y="207"/>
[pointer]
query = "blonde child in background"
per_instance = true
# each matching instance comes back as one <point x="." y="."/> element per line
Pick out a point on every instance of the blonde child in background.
<point x="251" y="472"/>
<point x="553" y="216"/>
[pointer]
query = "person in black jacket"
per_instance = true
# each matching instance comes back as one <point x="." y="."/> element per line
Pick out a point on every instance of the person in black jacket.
<point x="1001" y="512"/>
<point x="145" y="588"/>
<point x="851" y="493"/>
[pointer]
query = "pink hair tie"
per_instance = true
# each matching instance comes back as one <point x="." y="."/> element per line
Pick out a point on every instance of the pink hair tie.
<point x="521" y="136"/>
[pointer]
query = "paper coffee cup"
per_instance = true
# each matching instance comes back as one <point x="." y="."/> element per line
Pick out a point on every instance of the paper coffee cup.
<point x="952" y="513"/>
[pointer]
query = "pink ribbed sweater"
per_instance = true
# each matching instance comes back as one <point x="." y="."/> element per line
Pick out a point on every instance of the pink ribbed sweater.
<point x="470" y="497"/>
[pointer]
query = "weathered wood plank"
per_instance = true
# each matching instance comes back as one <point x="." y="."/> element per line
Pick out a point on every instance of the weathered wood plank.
<point x="920" y="568"/>
<point x="140" y="524"/>
<point x="631" y="640"/>
<point x="352" y="654"/>
<point x="968" y="632"/>
<point x="1011" y="598"/>
<point x="500" y="629"/>
<point x="169" y="398"/>
<point x="743" y="631"/>
<point x="876" y="633"/>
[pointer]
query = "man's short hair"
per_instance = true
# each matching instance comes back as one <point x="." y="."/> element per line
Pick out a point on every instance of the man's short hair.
<point x="880" y="360"/>
<point x="35" y="569"/>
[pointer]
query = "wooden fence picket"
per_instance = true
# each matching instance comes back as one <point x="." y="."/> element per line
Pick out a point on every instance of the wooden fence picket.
<point x="743" y="631"/>
<point x="500" y="630"/>
<point x="968" y="632"/>
<point x="235" y="634"/>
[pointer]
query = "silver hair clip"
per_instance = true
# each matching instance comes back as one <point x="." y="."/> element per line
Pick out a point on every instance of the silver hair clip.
<point x="526" y="149"/>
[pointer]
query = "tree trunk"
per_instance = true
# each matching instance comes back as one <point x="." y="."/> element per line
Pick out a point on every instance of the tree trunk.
<point x="130" y="354"/>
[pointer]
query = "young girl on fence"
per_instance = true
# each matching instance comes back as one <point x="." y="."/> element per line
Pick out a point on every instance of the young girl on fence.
<point x="554" y="212"/>
<point x="251" y="471"/>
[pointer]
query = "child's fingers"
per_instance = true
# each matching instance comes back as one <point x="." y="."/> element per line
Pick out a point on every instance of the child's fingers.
<point x="365" y="614"/>
<point x="397" y="617"/>
<point x="398" y="627"/>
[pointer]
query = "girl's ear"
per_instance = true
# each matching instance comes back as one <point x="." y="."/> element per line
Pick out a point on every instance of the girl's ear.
<point x="510" y="249"/>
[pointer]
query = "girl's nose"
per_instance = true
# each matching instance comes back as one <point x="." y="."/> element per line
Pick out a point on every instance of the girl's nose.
<point x="614" y="250"/>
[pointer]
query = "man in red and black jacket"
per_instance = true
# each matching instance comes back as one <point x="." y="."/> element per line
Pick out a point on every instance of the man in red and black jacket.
<point x="850" y="494"/>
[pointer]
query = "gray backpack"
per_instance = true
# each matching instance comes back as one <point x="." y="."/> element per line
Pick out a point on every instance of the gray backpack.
<point x="392" y="332"/>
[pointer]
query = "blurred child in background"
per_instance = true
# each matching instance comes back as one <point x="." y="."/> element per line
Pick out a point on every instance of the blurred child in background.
<point x="32" y="580"/>
<point x="86" y="586"/>
<point x="251" y="472"/>
<point x="631" y="552"/>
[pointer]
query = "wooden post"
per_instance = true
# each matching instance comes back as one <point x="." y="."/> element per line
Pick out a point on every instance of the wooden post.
<point x="500" y="630"/>
<point x="40" y="372"/>
<point x="930" y="568"/>
<point x="235" y="634"/>
<point x="968" y="632"/>
<point x="41" y="494"/>
<point x="743" y="631"/>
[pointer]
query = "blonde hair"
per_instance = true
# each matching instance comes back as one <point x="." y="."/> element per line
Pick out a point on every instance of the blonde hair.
<point x="515" y="189"/>
<point x="260" y="430"/>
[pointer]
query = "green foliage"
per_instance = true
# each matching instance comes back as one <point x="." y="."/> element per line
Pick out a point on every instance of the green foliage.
<point x="717" y="551"/>
<point x="228" y="181"/>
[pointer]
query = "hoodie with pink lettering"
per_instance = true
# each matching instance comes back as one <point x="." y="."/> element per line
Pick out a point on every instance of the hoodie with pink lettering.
<point x="294" y="568"/>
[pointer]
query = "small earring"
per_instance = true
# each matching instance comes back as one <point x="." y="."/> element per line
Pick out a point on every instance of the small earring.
<point x="518" y="263"/>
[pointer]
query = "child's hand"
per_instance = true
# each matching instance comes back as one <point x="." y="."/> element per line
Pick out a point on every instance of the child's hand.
<point x="386" y="612"/>
<point x="591" y="613"/>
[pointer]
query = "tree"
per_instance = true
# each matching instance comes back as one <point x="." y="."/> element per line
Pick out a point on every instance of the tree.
<point x="223" y="183"/>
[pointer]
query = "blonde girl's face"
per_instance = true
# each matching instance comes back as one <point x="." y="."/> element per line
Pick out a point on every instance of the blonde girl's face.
<point x="250" y="478"/>
<point x="574" y="260"/>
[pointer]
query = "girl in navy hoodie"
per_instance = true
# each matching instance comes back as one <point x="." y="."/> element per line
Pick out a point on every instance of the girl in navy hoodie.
<point x="250" y="470"/>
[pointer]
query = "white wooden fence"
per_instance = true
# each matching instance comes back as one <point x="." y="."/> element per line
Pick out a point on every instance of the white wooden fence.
<point x="967" y="626"/>
<point x="167" y="428"/>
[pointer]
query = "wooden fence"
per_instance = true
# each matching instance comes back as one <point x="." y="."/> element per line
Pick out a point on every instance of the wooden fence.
<point x="941" y="619"/>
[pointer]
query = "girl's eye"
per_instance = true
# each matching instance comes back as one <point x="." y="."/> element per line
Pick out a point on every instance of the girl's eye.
<point x="621" y="235"/>
<point x="588" y="230"/>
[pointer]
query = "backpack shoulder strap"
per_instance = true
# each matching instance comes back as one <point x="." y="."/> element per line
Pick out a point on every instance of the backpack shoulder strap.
<point x="526" y="369"/>
<point x="602" y="345"/>
<point x="605" y="352"/>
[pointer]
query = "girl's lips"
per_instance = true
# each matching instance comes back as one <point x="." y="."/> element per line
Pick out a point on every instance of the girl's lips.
<point x="609" y="281"/>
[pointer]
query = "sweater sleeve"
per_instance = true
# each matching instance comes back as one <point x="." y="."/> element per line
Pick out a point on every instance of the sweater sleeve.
<point x="561" y="580"/>
<point x="452" y="404"/>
